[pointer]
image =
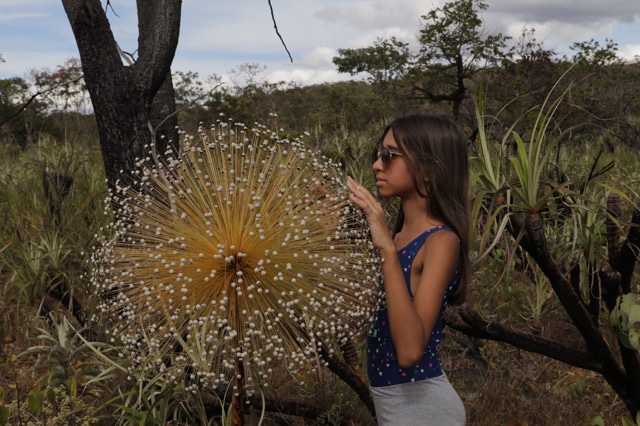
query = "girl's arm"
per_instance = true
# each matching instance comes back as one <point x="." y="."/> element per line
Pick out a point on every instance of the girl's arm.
<point x="411" y="322"/>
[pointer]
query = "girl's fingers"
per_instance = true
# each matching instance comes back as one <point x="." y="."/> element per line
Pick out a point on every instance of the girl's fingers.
<point x="368" y="206"/>
<point x="358" y="190"/>
<point x="359" y="193"/>
<point x="364" y="199"/>
<point x="359" y="202"/>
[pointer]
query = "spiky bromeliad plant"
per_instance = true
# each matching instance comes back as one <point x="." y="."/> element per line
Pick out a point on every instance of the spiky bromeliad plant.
<point x="239" y="253"/>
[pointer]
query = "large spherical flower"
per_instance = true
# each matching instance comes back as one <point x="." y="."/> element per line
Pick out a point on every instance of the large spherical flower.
<point x="242" y="251"/>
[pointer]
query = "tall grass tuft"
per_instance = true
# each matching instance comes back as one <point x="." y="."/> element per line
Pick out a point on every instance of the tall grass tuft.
<point x="239" y="253"/>
<point x="50" y="198"/>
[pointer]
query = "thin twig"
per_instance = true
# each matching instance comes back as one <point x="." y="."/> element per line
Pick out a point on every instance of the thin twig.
<point x="110" y="6"/>
<point x="128" y="57"/>
<point x="275" y="26"/>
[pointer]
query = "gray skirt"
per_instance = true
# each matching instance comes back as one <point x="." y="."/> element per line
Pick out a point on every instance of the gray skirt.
<point x="426" y="402"/>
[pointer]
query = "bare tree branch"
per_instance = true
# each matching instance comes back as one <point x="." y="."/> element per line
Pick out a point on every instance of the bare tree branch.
<point x="33" y="98"/>
<point x="275" y="26"/>
<point x="110" y="6"/>
<point x="216" y="400"/>
<point x="472" y="324"/>
<point x="350" y="376"/>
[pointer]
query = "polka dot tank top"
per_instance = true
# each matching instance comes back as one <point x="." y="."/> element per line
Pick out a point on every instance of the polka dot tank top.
<point x="382" y="363"/>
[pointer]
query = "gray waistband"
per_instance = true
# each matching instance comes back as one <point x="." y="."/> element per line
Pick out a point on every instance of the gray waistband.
<point x="426" y="402"/>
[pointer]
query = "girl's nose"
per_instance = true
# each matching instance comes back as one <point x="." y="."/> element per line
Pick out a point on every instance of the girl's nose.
<point x="377" y="165"/>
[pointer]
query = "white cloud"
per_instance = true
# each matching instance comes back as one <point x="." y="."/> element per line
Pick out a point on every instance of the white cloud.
<point x="629" y="51"/>
<point x="306" y="76"/>
<point x="402" y="34"/>
<point x="554" y="35"/>
<point x="373" y="15"/>
<point x="584" y="12"/>
<point x="320" y="57"/>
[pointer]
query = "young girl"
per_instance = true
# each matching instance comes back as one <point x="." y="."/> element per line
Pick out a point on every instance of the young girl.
<point x="422" y="159"/>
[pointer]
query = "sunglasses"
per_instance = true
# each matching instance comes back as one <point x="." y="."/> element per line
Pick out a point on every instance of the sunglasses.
<point x="385" y="154"/>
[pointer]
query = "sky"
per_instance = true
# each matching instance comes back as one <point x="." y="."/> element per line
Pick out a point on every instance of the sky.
<point x="218" y="36"/>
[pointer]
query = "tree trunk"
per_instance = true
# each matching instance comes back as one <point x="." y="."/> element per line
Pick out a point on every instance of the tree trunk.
<point x="163" y="117"/>
<point x="122" y="96"/>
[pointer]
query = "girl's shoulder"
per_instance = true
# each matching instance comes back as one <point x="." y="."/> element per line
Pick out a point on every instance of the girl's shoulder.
<point x="440" y="230"/>
<point x="444" y="238"/>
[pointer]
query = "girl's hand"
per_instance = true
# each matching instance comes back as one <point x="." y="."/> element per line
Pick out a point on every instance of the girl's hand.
<point x="362" y="197"/>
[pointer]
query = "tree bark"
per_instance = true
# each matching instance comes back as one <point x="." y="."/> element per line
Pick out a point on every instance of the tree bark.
<point x="121" y="95"/>
<point x="163" y="115"/>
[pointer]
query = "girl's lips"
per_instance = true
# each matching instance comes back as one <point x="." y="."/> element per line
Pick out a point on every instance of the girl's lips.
<point x="379" y="182"/>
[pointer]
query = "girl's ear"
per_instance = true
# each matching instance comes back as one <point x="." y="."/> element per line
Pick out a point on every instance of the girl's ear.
<point x="427" y="186"/>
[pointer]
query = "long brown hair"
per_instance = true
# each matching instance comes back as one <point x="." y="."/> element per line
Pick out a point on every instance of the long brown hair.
<point x="435" y="147"/>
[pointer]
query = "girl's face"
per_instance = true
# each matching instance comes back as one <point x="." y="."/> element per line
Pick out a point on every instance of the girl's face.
<point x="393" y="177"/>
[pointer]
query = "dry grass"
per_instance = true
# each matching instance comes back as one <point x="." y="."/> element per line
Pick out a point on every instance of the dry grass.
<point x="508" y="386"/>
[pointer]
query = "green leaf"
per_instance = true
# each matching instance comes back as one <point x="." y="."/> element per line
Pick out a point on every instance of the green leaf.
<point x="51" y="396"/>
<point x="634" y="314"/>
<point x="614" y="318"/>
<point x="625" y="307"/>
<point x="634" y="339"/>
<point x="143" y="420"/>
<point x="4" y="415"/>
<point x="624" y="339"/>
<point x="34" y="401"/>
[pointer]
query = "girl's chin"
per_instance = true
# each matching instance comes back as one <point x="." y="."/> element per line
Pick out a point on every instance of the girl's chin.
<point x="384" y="193"/>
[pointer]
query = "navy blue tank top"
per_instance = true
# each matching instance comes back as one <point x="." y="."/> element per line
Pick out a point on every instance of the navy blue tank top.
<point x="382" y="360"/>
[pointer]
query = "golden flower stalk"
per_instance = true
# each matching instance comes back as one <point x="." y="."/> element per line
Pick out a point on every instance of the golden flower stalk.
<point x="243" y="250"/>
